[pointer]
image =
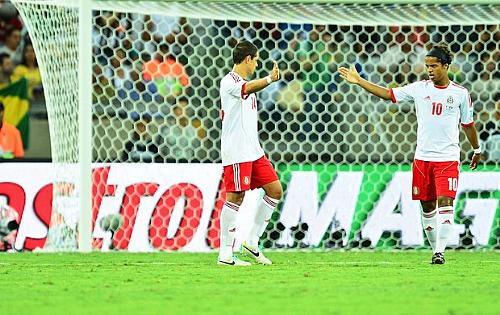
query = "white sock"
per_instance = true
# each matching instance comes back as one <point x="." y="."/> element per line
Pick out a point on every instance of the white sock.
<point x="264" y="212"/>
<point x="429" y="223"/>
<point x="445" y="226"/>
<point x="227" y="230"/>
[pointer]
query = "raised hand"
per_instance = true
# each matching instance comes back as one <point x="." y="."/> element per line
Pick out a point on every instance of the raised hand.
<point x="275" y="73"/>
<point x="475" y="160"/>
<point x="350" y="75"/>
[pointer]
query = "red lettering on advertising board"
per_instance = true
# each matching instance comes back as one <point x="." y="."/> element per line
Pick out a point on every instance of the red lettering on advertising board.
<point x="163" y="212"/>
<point x="16" y="197"/>
<point x="100" y="189"/>
<point x="42" y="206"/>
<point x="129" y="208"/>
<point x="213" y="233"/>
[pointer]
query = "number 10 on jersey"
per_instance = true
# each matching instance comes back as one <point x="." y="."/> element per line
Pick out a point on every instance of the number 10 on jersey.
<point x="437" y="108"/>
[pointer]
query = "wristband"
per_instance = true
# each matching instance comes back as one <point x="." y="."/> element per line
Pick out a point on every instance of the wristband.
<point x="477" y="151"/>
<point x="269" y="80"/>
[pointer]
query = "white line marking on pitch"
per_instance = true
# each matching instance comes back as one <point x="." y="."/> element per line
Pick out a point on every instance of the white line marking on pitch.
<point x="383" y="262"/>
<point x="99" y="264"/>
<point x="196" y="263"/>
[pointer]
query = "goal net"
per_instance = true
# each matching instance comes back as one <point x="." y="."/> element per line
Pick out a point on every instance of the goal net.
<point x="344" y="157"/>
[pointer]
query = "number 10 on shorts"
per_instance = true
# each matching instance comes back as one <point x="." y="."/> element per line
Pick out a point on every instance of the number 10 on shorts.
<point x="452" y="183"/>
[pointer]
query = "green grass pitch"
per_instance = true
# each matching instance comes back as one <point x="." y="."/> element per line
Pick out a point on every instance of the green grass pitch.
<point x="298" y="283"/>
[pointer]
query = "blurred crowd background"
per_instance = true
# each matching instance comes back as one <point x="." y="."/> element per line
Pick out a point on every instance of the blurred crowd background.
<point x="156" y="79"/>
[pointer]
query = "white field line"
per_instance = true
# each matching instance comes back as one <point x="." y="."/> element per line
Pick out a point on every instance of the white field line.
<point x="157" y="263"/>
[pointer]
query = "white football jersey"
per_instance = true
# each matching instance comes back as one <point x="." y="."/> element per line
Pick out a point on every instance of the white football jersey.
<point x="240" y="138"/>
<point x="439" y="111"/>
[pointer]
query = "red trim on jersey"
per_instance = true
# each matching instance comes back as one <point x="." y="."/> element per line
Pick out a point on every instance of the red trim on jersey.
<point x="463" y="88"/>
<point x="442" y="87"/>
<point x="243" y="91"/>
<point x="458" y="85"/>
<point x="222" y="115"/>
<point x="392" y="96"/>
<point x="468" y="125"/>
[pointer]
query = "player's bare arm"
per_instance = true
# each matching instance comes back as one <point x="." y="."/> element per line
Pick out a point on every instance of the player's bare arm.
<point x="259" y="84"/>
<point x="352" y="76"/>
<point x="471" y="133"/>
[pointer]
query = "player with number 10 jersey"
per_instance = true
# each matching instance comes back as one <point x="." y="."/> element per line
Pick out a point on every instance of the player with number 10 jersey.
<point x="441" y="105"/>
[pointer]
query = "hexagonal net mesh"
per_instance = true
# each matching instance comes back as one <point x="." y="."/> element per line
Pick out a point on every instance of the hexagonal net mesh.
<point x="343" y="156"/>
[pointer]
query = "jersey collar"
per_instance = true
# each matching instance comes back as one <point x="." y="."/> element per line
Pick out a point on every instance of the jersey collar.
<point x="239" y="76"/>
<point x="442" y="87"/>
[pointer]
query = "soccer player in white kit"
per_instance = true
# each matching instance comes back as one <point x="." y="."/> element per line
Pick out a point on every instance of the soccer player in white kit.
<point x="245" y="165"/>
<point x="440" y="105"/>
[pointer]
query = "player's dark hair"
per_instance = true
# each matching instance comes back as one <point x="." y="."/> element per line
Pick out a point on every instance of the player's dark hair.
<point x="1" y="107"/>
<point x="442" y="53"/>
<point x="243" y="49"/>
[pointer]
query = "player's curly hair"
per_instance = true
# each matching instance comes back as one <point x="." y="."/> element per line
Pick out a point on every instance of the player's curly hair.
<point x="442" y="52"/>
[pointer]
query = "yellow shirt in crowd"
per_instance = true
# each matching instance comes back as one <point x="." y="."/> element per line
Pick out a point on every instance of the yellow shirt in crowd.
<point x="32" y="75"/>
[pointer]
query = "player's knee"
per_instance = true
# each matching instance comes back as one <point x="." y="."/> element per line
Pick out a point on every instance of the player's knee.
<point x="277" y="195"/>
<point x="236" y="198"/>
<point x="276" y="192"/>
<point x="428" y="206"/>
<point x="273" y="190"/>
<point x="444" y="201"/>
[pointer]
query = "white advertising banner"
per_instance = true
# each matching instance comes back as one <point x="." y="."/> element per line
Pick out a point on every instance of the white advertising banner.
<point x="164" y="206"/>
<point x="176" y="207"/>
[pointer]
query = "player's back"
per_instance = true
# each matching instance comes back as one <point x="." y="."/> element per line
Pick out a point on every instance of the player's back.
<point x="239" y="139"/>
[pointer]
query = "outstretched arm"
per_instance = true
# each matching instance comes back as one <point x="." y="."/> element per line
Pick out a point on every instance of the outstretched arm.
<point x="352" y="76"/>
<point x="259" y="84"/>
<point x="471" y="133"/>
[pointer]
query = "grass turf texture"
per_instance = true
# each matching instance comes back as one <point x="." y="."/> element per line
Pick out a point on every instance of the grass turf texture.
<point x="298" y="283"/>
